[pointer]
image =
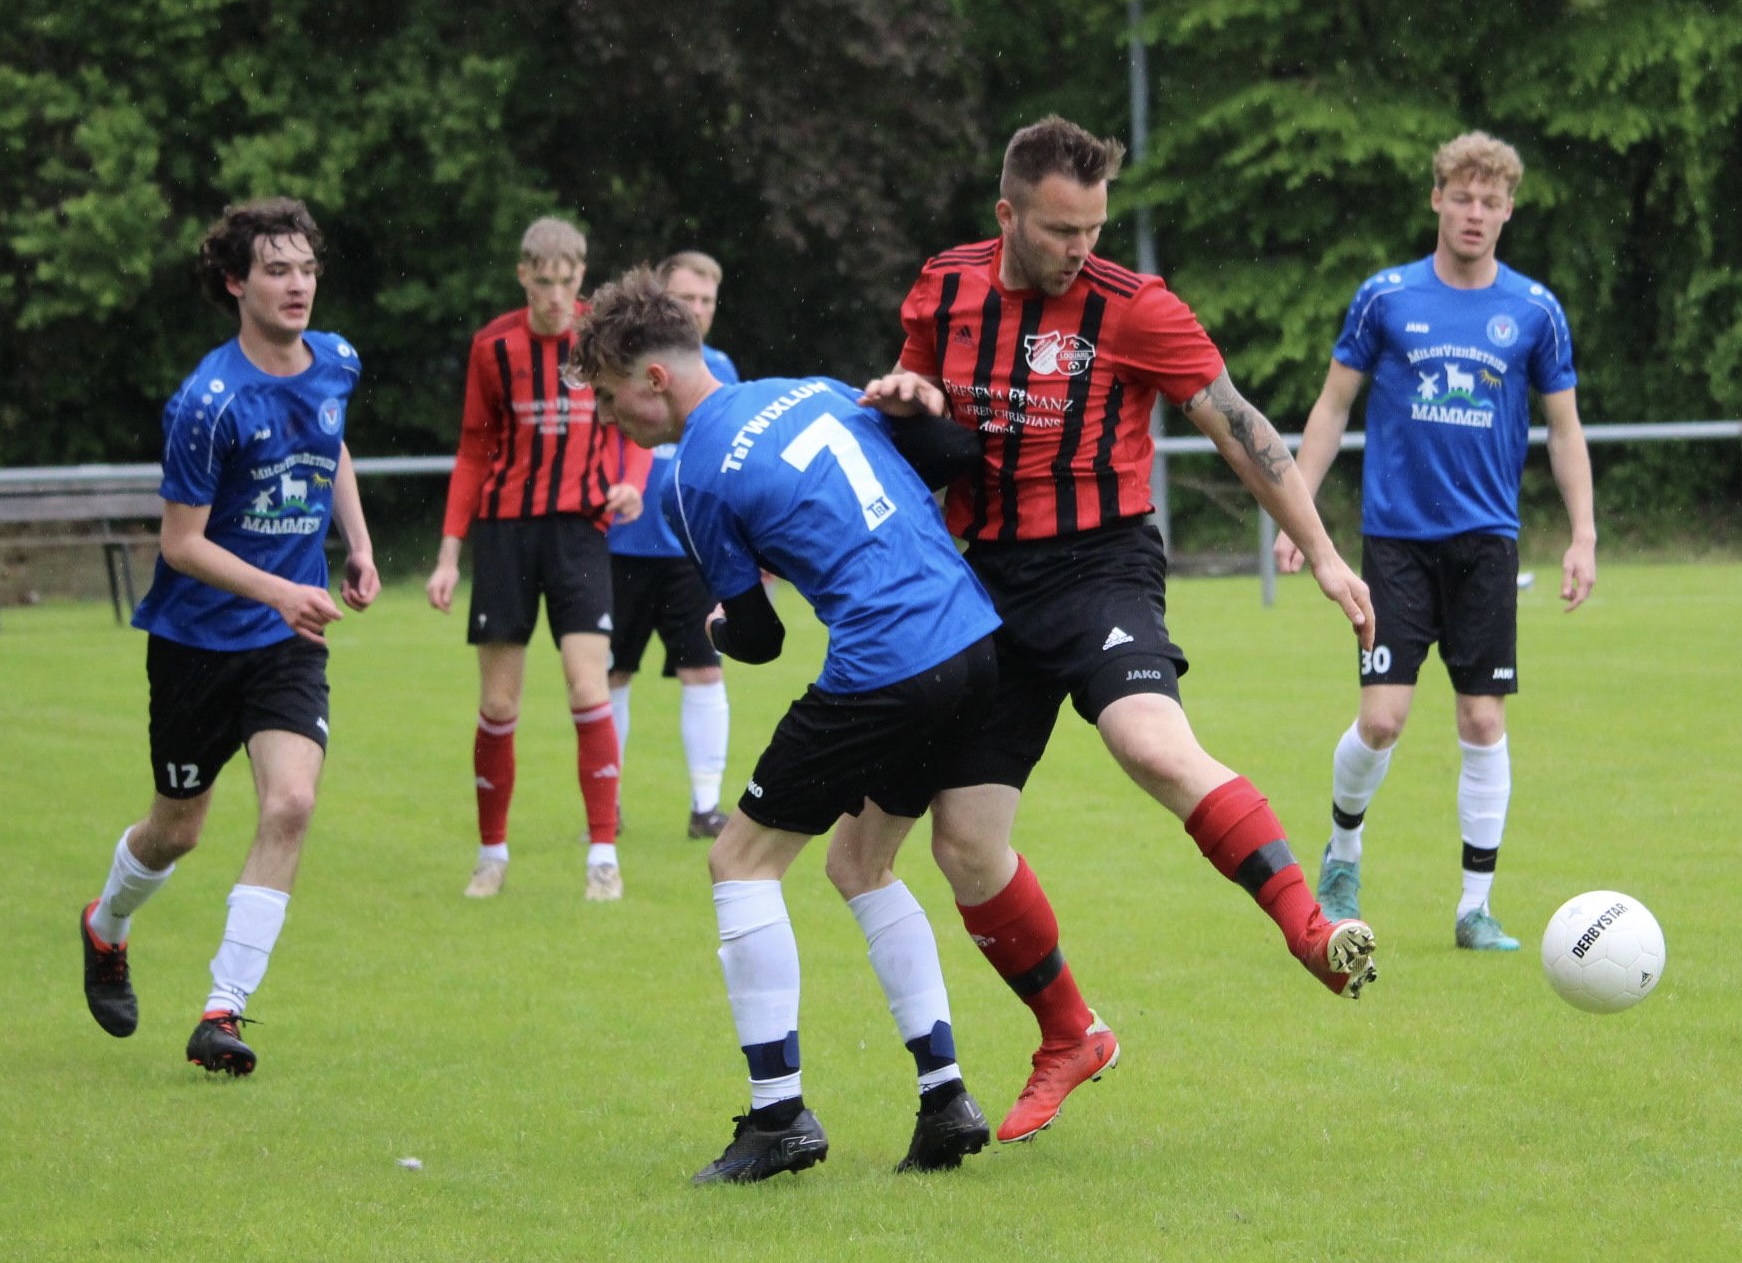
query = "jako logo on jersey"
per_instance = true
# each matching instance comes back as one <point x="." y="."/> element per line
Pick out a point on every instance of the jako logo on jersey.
<point x="1145" y="673"/>
<point x="332" y="415"/>
<point x="1415" y="326"/>
<point x="1503" y="673"/>
<point x="754" y="790"/>
<point x="1502" y="330"/>
<point x="1118" y="636"/>
<point x="1057" y="352"/>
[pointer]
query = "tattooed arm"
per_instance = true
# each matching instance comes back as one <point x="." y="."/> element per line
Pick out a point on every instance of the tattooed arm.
<point x="1256" y="452"/>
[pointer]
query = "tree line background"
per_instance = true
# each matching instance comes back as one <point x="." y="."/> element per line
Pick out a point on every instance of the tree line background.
<point x="822" y="149"/>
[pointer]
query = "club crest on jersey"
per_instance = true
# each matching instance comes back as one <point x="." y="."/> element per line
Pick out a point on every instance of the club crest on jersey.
<point x="1057" y="352"/>
<point x="1502" y="330"/>
<point x="332" y="415"/>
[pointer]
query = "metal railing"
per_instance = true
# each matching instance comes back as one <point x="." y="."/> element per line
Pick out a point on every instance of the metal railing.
<point x="147" y="475"/>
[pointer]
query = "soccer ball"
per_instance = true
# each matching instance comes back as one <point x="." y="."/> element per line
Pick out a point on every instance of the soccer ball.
<point x="1602" y="951"/>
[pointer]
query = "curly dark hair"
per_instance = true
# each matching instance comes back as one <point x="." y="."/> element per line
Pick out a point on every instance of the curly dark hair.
<point x="628" y="318"/>
<point x="227" y="249"/>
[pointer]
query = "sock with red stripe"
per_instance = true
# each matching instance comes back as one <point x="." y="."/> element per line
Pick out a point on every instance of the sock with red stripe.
<point x="493" y="771"/>
<point x="596" y="762"/>
<point x="1238" y="833"/>
<point x="1017" y="932"/>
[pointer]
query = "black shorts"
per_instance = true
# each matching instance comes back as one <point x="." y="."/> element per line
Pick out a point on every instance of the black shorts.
<point x="1085" y="618"/>
<point x="207" y="703"/>
<point x="514" y="561"/>
<point x="832" y="751"/>
<point x="1461" y="592"/>
<point x="664" y="595"/>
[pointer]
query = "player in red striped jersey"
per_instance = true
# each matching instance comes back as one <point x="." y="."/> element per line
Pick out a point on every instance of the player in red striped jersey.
<point x="536" y="484"/>
<point x="1055" y="357"/>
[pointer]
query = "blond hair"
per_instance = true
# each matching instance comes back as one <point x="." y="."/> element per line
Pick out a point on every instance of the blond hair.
<point x="1478" y="156"/>
<point x="703" y="265"/>
<point x="550" y="239"/>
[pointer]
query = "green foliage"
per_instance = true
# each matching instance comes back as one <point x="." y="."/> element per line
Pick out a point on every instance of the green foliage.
<point x="821" y="149"/>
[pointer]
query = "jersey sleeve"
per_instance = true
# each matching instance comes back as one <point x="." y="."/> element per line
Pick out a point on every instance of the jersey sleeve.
<point x="1357" y="346"/>
<point x="713" y="536"/>
<point x="919" y="353"/>
<point x="1551" y="359"/>
<point x="199" y="435"/>
<point x="480" y="435"/>
<point x="1161" y="341"/>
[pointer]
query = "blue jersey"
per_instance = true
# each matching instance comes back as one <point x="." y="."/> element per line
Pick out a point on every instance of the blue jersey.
<point x="1448" y="413"/>
<point x="263" y="452"/>
<point x="795" y="477"/>
<point x="650" y="535"/>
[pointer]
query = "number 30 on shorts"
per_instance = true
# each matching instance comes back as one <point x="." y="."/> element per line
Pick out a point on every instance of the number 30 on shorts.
<point x="1375" y="661"/>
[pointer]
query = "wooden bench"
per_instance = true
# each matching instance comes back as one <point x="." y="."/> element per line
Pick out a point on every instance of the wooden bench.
<point x="113" y="500"/>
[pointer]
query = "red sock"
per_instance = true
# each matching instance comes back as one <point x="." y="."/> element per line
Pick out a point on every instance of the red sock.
<point x="596" y="762"/>
<point x="1238" y="833"/>
<point x="1016" y="930"/>
<point x="493" y="770"/>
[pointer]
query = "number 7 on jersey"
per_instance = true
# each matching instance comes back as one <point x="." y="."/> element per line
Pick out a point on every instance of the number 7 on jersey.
<point x="827" y="433"/>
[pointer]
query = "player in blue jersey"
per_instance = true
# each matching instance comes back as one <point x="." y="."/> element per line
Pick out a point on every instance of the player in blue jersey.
<point x="255" y="470"/>
<point x="655" y="587"/>
<point x="1454" y="344"/>
<point x="795" y="477"/>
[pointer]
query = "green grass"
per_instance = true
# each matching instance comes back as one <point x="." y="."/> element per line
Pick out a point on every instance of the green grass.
<point x="561" y="1068"/>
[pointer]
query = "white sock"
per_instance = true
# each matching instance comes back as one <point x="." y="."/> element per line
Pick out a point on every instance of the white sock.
<point x="251" y="929"/>
<point x="599" y="853"/>
<point x="1484" y="791"/>
<point x="493" y="851"/>
<point x="129" y="885"/>
<point x="620" y="717"/>
<point x="706" y="721"/>
<point x="759" y="958"/>
<point x="904" y="955"/>
<point x="1357" y="771"/>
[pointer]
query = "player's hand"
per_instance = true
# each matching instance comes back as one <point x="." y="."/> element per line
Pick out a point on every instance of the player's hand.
<point x="1289" y="558"/>
<point x="1348" y="590"/>
<point x="440" y="588"/>
<point x="362" y="581"/>
<point x="904" y="394"/>
<point x="308" y="610"/>
<point x="1578" y="574"/>
<point x="624" y="501"/>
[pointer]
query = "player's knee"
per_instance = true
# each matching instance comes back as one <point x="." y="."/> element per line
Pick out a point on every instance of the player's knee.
<point x="1381" y="731"/>
<point x="851" y="873"/>
<point x="286" y="810"/>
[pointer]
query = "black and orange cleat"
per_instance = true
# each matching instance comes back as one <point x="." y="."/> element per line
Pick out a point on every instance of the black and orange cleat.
<point x="215" y="1046"/>
<point x="108" y="984"/>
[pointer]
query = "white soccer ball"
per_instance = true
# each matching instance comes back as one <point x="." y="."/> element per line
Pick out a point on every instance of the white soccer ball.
<point x="1602" y="951"/>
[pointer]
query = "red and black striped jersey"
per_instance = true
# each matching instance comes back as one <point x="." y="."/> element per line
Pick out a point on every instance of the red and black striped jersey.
<point x="1060" y="388"/>
<point x="529" y="445"/>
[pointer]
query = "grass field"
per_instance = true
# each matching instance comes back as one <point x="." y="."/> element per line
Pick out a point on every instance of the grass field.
<point x="561" y="1068"/>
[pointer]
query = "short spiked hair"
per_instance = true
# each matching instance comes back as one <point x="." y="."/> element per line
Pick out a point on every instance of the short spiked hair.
<point x="1056" y="146"/>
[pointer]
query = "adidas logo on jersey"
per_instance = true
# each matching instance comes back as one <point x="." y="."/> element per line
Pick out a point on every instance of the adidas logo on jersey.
<point x="1115" y="638"/>
<point x="963" y="336"/>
